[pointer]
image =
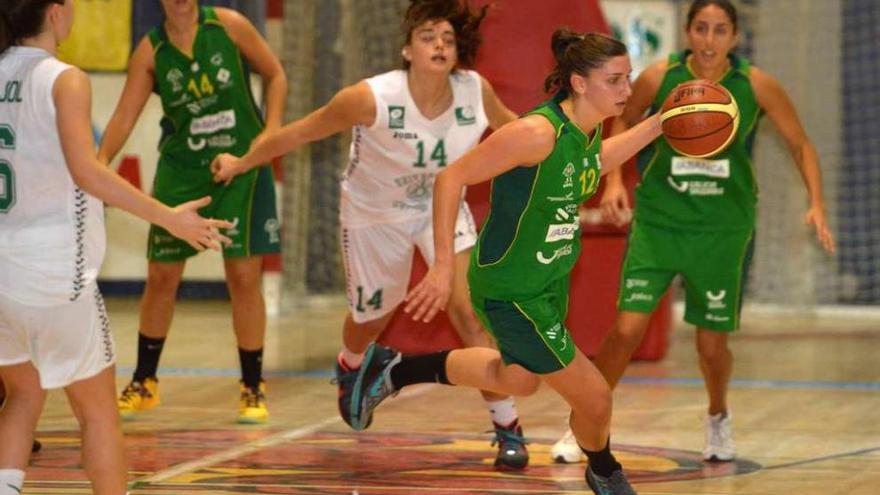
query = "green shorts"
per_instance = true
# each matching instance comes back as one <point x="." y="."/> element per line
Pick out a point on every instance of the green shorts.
<point x="712" y="264"/>
<point x="530" y="332"/>
<point x="248" y="202"/>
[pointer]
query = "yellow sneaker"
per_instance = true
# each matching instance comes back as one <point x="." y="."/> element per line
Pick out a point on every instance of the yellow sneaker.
<point x="138" y="397"/>
<point x="252" y="405"/>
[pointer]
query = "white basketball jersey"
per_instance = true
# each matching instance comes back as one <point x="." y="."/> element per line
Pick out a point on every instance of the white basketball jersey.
<point x="390" y="175"/>
<point x="51" y="232"/>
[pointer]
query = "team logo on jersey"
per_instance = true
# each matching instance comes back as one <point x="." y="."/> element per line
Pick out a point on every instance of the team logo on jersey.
<point x="272" y="227"/>
<point x="697" y="187"/>
<point x="716" y="299"/>
<point x="465" y="115"/>
<point x="567" y="173"/>
<point x="210" y="124"/>
<point x="561" y="232"/>
<point x="696" y="166"/>
<point x="395" y="116"/>
<point x="174" y="76"/>
<point x="217" y="59"/>
<point x="196" y="144"/>
<point x="223" y="75"/>
<point x="233" y="231"/>
<point x="545" y="260"/>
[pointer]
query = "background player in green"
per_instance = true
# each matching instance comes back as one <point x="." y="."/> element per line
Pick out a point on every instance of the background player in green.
<point x="694" y="221"/>
<point x="542" y="167"/>
<point x="195" y="61"/>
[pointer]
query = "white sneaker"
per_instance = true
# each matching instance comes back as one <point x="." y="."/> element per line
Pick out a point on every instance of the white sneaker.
<point x="719" y="438"/>
<point x="567" y="450"/>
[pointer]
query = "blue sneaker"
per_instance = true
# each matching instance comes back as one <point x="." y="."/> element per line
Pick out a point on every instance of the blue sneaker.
<point x="345" y="380"/>
<point x="616" y="484"/>
<point x="374" y="383"/>
<point x="512" y="452"/>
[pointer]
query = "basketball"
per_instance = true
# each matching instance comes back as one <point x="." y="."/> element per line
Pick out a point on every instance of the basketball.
<point x="699" y="118"/>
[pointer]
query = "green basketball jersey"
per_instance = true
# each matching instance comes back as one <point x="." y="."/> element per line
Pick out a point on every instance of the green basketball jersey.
<point x="207" y="102"/>
<point x="532" y="235"/>
<point x="717" y="193"/>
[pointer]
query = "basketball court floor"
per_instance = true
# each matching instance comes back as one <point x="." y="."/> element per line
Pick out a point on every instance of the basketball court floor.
<point x="805" y="401"/>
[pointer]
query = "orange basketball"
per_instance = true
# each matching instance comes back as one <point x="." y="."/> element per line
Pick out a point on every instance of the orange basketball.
<point x="699" y="118"/>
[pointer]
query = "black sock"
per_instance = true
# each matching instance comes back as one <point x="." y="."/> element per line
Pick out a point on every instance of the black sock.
<point x="251" y="367"/>
<point x="602" y="462"/>
<point x="149" y="352"/>
<point x="420" y="368"/>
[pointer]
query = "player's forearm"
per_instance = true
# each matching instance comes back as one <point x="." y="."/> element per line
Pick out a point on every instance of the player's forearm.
<point x="617" y="149"/>
<point x="105" y="184"/>
<point x="807" y="161"/>
<point x="276" y="92"/>
<point x="447" y="195"/>
<point x="115" y="136"/>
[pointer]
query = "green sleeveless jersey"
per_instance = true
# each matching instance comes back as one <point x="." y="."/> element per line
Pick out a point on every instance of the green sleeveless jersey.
<point x="207" y="101"/>
<point x="532" y="235"/>
<point x="711" y="194"/>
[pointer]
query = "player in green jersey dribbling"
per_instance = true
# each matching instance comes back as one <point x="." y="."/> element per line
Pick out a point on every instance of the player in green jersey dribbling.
<point x="696" y="217"/>
<point x="542" y="167"/>
<point x="195" y="60"/>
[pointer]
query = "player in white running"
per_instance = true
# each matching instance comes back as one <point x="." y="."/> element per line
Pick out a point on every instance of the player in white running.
<point x="53" y="326"/>
<point x="407" y="125"/>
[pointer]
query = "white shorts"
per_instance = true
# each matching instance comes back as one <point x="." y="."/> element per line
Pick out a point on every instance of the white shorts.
<point x="378" y="260"/>
<point x="66" y="343"/>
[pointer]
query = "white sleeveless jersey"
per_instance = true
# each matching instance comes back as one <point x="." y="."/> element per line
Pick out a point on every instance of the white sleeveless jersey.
<point x="51" y="232"/>
<point x="390" y="175"/>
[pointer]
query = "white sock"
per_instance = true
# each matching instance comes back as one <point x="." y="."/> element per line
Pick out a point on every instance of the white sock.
<point x="350" y="359"/>
<point x="11" y="481"/>
<point x="503" y="411"/>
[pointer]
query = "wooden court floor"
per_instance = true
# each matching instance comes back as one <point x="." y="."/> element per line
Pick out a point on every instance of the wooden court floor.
<point x="805" y="400"/>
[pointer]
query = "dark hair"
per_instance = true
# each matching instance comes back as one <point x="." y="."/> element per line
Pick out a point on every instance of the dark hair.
<point x="21" y="19"/>
<point x="465" y="23"/>
<point x="699" y="5"/>
<point x="577" y="54"/>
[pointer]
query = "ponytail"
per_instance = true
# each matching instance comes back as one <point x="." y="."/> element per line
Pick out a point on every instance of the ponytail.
<point x="578" y="54"/>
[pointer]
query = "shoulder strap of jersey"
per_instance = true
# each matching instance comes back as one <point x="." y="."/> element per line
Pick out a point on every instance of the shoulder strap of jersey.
<point x="551" y="111"/>
<point x="208" y="15"/>
<point x="674" y="64"/>
<point x="741" y="65"/>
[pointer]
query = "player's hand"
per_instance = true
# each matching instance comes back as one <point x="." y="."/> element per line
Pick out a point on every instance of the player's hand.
<point x="816" y="217"/>
<point x="615" y="204"/>
<point x="200" y="233"/>
<point x="225" y="167"/>
<point x="431" y="294"/>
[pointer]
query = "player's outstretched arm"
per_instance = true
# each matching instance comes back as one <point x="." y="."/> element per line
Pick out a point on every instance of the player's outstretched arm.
<point x="72" y="97"/>
<point x="138" y="86"/>
<point x="351" y="106"/>
<point x="526" y="141"/>
<point x="775" y="102"/>
<point x="620" y="148"/>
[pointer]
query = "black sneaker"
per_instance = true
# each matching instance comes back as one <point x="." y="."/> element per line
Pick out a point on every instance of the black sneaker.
<point x="616" y="484"/>
<point x="374" y="383"/>
<point x="345" y="380"/>
<point x="512" y="452"/>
